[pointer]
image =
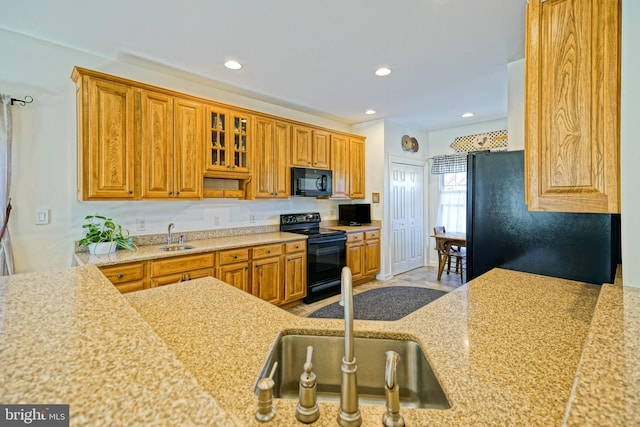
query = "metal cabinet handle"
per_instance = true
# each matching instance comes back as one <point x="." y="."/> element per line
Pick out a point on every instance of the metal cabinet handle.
<point x="130" y="191"/>
<point x="171" y="193"/>
<point x="120" y="275"/>
<point x="178" y="193"/>
<point x="235" y="257"/>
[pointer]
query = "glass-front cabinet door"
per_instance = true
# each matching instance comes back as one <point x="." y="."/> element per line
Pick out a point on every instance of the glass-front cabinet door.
<point x="240" y="148"/>
<point x="217" y="149"/>
<point x="228" y="145"/>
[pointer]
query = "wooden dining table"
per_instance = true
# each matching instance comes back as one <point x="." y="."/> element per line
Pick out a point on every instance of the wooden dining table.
<point x="444" y="242"/>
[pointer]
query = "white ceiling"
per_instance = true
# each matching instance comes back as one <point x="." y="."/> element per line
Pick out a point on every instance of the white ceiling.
<point x="447" y="56"/>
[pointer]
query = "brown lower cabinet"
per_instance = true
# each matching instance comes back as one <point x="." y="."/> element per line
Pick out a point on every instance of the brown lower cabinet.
<point x="233" y="268"/>
<point x="177" y="269"/>
<point x="363" y="255"/>
<point x="276" y="273"/>
<point x="126" y="277"/>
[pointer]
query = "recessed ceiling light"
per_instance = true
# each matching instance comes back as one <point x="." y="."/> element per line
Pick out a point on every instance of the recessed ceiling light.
<point x="466" y="115"/>
<point x="369" y="112"/>
<point x="383" y="71"/>
<point x="233" y="65"/>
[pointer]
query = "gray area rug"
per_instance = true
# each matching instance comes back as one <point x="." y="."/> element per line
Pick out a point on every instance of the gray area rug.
<point x="390" y="303"/>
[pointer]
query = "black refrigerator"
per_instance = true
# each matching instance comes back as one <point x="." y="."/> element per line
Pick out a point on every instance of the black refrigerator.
<point x="501" y="232"/>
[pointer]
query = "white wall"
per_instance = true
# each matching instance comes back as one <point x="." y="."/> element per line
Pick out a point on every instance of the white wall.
<point x="630" y="149"/>
<point x="515" y="103"/>
<point x="44" y="157"/>
<point x="440" y="143"/>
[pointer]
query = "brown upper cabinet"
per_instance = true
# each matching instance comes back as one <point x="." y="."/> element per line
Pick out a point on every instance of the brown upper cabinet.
<point x="141" y="142"/>
<point x="105" y="120"/>
<point x="172" y="130"/>
<point x="310" y="148"/>
<point x="572" y="101"/>
<point x="347" y="163"/>
<point x="229" y="141"/>
<point x="271" y="173"/>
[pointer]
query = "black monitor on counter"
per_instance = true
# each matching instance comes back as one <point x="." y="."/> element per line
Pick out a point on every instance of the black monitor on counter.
<point x="355" y="214"/>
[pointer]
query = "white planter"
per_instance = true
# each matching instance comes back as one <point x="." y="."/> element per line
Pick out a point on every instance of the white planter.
<point x="102" y="248"/>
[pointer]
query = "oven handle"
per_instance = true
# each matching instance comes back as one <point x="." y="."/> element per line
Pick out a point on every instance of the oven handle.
<point x="328" y="239"/>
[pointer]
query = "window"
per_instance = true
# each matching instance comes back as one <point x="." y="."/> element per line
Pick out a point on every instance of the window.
<point x="452" y="208"/>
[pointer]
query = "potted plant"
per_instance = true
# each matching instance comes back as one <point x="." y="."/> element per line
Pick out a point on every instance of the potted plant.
<point x="103" y="236"/>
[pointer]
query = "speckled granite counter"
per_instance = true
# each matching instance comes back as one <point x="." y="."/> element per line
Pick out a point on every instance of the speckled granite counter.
<point x="69" y="337"/>
<point x="204" y="245"/>
<point x="505" y="347"/>
<point x="607" y="387"/>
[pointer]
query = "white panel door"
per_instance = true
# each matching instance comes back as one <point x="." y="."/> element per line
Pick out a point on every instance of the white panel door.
<point x="407" y="217"/>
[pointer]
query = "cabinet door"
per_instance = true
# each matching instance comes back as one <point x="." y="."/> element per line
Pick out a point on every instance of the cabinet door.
<point x="356" y="168"/>
<point x="264" y="155"/>
<point x="572" y="141"/>
<point x="157" y="145"/>
<point x="281" y="169"/>
<point x="106" y="128"/>
<point x="240" y="144"/>
<point x="321" y="149"/>
<point x="355" y="259"/>
<point x="301" y="147"/>
<point x="267" y="279"/>
<point x="371" y="257"/>
<point x="236" y="275"/>
<point x="340" y="166"/>
<point x="295" y="276"/>
<point x="271" y="173"/>
<point x="216" y="152"/>
<point x="188" y="135"/>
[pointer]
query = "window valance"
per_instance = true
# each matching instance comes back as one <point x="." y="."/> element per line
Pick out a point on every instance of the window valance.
<point x="449" y="163"/>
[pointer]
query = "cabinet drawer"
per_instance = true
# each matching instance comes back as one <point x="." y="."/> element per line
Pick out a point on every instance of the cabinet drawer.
<point x="293" y="247"/>
<point x="355" y="237"/>
<point x="267" y="251"/>
<point x="234" y="255"/>
<point x="124" y="272"/>
<point x="137" y="285"/>
<point x="181" y="277"/>
<point x="370" y="235"/>
<point x="181" y="264"/>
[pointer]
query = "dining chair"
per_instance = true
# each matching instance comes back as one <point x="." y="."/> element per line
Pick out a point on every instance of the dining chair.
<point x="454" y="252"/>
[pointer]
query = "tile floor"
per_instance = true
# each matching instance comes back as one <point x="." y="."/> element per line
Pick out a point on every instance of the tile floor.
<point x="422" y="277"/>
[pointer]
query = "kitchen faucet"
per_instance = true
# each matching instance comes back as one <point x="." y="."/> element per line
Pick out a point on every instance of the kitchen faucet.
<point x="349" y="414"/>
<point x="392" y="417"/>
<point x="169" y="238"/>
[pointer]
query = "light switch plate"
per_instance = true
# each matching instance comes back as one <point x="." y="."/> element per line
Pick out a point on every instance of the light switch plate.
<point x="42" y="216"/>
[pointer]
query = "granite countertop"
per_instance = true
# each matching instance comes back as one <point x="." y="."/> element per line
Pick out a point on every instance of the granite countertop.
<point x="354" y="228"/>
<point x="507" y="349"/>
<point x="69" y="337"/>
<point x="607" y="387"/>
<point x="148" y="252"/>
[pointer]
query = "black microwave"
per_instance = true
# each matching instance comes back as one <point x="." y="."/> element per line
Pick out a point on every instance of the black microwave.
<point x="311" y="182"/>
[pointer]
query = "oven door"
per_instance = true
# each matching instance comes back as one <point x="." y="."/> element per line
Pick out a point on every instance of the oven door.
<point x="325" y="258"/>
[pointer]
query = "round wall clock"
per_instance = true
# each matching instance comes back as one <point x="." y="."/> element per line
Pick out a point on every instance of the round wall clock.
<point x="410" y="144"/>
<point x="407" y="144"/>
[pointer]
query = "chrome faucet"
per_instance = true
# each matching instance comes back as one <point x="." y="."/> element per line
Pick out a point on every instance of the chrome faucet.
<point x="169" y="238"/>
<point x="349" y="414"/>
<point x="392" y="417"/>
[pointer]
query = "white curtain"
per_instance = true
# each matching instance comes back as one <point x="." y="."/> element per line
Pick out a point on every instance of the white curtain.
<point x="6" y="252"/>
<point x="452" y="205"/>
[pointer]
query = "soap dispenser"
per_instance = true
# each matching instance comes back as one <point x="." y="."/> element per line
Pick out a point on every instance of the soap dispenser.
<point x="307" y="410"/>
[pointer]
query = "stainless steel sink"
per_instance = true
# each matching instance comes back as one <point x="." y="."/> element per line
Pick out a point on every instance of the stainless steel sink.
<point x="176" y="247"/>
<point x="419" y="388"/>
